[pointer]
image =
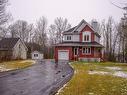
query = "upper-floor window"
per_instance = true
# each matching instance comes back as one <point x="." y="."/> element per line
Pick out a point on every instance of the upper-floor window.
<point x="86" y="50"/>
<point x="86" y="36"/>
<point x="68" y="37"/>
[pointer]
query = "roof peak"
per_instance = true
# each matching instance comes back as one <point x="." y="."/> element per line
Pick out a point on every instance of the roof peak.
<point x="83" y="21"/>
<point x="79" y="27"/>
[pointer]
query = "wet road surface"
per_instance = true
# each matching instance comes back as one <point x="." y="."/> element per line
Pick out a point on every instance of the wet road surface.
<point x="41" y="79"/>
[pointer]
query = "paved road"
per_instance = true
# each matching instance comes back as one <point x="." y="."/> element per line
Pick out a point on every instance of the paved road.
<point x="41" y="79"/>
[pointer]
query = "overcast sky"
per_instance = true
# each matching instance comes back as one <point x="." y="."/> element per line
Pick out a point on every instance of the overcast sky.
<point x="73" y="10"/>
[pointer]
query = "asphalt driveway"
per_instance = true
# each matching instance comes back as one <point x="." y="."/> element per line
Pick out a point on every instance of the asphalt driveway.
<point x="41" y="79"/>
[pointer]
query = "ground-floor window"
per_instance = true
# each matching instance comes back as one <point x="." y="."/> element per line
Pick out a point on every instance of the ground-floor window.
<point x="86" y="50"/>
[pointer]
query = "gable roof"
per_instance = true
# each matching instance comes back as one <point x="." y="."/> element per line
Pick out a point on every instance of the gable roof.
<point x="8" y="43"/>
<point x="69" y="31"/>
<point x="79" y="27"/>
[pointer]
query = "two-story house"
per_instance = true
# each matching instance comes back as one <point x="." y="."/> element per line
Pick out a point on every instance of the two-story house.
<point x="81" y="42"/>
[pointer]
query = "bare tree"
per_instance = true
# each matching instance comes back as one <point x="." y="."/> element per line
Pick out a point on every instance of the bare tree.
<point x="3" y="32"/>
<point x="60" y="25"/>
<point x="109" y="36"/>
<point x="21" y="29"/>
<point x="52" y="34"/>
<point x="40" y="36"/>
<point x="4" y="16"/>
<point x="122" y="43"/>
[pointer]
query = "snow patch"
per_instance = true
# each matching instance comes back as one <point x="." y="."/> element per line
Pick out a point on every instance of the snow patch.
<point x="33" y="62"/>
<point x="116" y="73"/>
<point x="98" y="72"/>
<point x="60" y="90"/>
<point x="75" y="72"/>
<point x="91" y="93"/>
<point x="120" y="74"/>
<point x="2" y="69"/>
<point x="114" y="68"/>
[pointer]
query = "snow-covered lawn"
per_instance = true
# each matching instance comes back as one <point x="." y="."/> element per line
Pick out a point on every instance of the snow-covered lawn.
<point x="97" y="79"/>
<point x="13" y="65"/>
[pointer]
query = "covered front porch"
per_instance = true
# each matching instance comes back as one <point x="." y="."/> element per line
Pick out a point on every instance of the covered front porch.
<point x="85" y="53"/>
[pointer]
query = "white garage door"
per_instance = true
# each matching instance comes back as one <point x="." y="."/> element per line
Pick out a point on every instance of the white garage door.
<point x="63" y="55"/>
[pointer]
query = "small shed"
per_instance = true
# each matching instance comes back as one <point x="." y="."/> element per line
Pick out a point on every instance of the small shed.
<point x="37" y="55"/>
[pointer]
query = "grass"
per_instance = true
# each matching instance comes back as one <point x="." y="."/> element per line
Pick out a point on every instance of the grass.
<point x="14" y="65"/>
<point x="82" y="83"/>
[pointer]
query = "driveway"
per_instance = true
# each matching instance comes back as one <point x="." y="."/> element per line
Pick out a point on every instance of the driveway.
<point x="41" y="79"/>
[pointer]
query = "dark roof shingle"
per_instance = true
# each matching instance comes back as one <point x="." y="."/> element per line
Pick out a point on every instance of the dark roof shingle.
<point x="8" y="43"/>
<point x="94" y="44"/>
<point x="73" y="30"/>
<point x="70" y="30"/>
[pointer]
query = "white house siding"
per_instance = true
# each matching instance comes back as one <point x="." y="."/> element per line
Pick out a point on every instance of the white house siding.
<point x="40" y="55"/>
<point x="97" y="39"/>
<point x="76" y="38"/>
<point x="19" y="51"/>
<point x="73" y="38"/>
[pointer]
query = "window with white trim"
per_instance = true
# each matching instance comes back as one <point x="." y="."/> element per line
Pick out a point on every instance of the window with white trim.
<point x="86" y="50"/>
<point x="35" y="55"/>
<point x="86" y="36"/>
<point x="68" y="37"/>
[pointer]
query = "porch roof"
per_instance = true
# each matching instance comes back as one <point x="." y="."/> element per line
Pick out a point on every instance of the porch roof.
<point x="94" y="44"/>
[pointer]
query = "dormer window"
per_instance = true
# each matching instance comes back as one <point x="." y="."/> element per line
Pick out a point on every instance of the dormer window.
<point x="86" y="36"/>
<point x="68" y="37"/>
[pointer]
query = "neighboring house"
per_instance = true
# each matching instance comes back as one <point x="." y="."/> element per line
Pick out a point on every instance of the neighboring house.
<point x="12" y="48"/>
<point x="37" y="55"/>
<point x="31" y="48"/>
<point x="81" y="42"/>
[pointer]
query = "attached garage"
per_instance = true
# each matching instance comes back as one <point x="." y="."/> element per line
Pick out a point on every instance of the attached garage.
<point x="63" y="55"/>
